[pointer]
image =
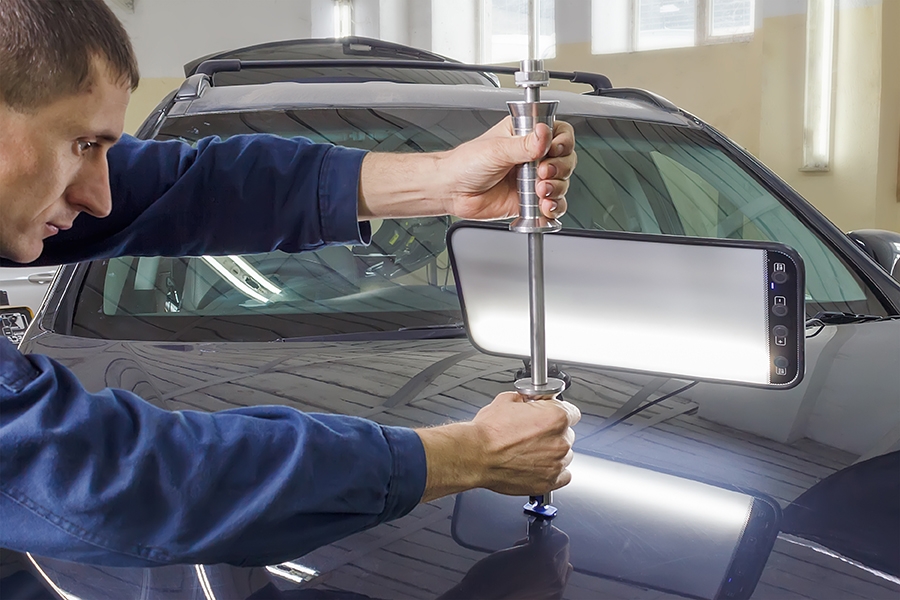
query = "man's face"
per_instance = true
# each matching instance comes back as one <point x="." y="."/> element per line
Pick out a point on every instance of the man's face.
<point x="53" y="164"/>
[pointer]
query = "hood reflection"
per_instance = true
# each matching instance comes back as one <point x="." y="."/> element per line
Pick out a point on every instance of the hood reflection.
<point x="534" y="568"/>
<point x="637" y="525"/>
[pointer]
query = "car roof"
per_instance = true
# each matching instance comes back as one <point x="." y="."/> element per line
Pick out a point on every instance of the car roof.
<point x="352" y="49"/>
<point x="380" y="94"/>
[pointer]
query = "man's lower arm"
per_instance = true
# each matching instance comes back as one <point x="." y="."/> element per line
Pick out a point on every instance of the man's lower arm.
<point x="401" y="185"/>
<point x="452" y="455"/>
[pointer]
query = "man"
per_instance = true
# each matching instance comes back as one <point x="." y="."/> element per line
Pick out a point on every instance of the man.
<point x="110" y="479"/>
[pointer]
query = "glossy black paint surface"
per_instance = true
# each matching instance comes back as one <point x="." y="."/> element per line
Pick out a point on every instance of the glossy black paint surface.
<point x="417" y="556"/>
<point x="882" y="246"/>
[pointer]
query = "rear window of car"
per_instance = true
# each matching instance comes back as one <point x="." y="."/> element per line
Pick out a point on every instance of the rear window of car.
<point x="631" y="176"/>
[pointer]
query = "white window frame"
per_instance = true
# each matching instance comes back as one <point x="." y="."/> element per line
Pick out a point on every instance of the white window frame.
<point x="702" y="27"/>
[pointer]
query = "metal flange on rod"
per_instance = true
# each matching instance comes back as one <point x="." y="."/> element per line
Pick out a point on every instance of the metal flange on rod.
<point x="525" y="116"/>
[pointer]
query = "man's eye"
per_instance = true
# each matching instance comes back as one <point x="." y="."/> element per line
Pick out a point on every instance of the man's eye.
<point x="84" y="146"/>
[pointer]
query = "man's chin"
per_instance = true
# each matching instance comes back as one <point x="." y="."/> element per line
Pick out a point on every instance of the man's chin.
<point x="23" y="255"/>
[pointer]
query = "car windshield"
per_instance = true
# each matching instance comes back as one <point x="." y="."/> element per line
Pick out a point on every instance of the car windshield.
<point x="631" y="176"/>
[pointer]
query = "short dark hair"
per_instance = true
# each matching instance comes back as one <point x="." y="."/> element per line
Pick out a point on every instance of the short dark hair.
<point x="47" y="49"/>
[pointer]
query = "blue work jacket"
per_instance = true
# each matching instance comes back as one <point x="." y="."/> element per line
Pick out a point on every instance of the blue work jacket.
<point x="108" y="478"/>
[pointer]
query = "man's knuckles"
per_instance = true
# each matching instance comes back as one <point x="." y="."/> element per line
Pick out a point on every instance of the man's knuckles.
<point x="557" y="417"/>
<point x="563" y="480"/>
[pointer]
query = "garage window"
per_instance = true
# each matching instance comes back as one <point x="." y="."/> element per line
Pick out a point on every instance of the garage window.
<point x="637" y="25"/>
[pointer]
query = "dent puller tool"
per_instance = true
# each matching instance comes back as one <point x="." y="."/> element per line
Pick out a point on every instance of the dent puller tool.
<point x="525" y="115"/>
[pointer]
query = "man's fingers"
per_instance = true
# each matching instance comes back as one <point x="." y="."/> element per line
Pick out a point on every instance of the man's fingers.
<point x="563" y="480"/>
<point x="554" y="172"/>
<point x="509" y="397"/>
<point x="557" y="168"/>
<point x="516" y="150"/>
<point x="570" y="437"/>
<point x="539" y="141"/>
<point x="536" y="145"/>
<point x="554" y="207"/>
<point x="563" y="142"/>
<point x="552" y="188"/>
<point x="572" y="412"/>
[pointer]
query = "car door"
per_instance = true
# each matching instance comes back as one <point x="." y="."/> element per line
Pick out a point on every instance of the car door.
<point x="26" y="286"/>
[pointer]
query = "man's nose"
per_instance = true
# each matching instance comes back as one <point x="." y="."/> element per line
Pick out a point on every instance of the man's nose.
<point x="89" y="191"/>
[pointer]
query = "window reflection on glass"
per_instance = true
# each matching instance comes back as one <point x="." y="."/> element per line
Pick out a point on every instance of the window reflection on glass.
<point x="505" y="30"/>
<point x="730" y="17"/>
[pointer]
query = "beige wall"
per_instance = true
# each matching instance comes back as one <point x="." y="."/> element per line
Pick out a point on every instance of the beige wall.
<point x="753" y="91"/>
<point x="887" y="190"/>
<point x="718" y="83"/>
<point x="144" y="99"/>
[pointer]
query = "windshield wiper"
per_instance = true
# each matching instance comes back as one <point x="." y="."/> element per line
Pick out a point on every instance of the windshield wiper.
<point x="827" y="317"/>
<point x="421" y="332"/>
<point x="449" y="327"/>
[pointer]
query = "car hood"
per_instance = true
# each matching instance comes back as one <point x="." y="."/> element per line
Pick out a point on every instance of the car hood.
<point x="427" y="382"/>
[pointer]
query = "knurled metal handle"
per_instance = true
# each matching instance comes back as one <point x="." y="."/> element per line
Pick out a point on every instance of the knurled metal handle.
<point x="525" y="116"/>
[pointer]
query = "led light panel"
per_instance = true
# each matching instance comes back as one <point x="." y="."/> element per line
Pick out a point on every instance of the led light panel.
<point x="685" y="307"/>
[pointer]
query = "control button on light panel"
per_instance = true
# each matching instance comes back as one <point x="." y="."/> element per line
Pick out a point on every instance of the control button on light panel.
<point x="780" y="332"/>
<point x="780" y="308"/>
<point x="779" y="273"/>
<point x="781" y="365"/>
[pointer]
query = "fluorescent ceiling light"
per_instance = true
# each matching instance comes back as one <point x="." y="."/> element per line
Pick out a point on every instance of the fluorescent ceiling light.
<point x="240" y="274"/>
<point x="293" y="572"/>
<point x="819" y="84"/>
<point x="343" y="20"/>
<point x="205" y="586"/>
<point x="256" y="275"/>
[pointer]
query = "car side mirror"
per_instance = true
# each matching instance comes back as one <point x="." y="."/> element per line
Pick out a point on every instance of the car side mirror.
<point x="882" y="246"/>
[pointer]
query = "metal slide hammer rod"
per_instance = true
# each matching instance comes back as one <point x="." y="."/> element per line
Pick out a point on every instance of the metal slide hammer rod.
<point x="525" y="116"/>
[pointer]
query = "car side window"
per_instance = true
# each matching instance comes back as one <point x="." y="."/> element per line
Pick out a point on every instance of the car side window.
<point x="660" y="179"/>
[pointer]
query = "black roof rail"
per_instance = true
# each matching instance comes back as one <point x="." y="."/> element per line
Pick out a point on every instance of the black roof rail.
<point x="353" y="47"/>
<point x="642" y="95"/>
<point x="599" y="83"/>
<point x="349" y="46"/>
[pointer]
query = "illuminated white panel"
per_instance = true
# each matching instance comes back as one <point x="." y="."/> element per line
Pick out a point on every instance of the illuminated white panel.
<point x="678" y="309"/>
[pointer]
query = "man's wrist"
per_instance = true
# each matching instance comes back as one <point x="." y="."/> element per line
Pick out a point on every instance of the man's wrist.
<point x="454" y="459"/>
<point x="398" y="185"/>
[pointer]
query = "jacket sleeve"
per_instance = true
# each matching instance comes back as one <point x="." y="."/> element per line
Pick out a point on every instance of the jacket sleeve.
<point x="108" y="478"/>
<point x="246" y="194"/>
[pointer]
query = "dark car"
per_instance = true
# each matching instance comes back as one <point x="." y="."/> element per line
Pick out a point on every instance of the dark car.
<point x="377" y="332"/>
